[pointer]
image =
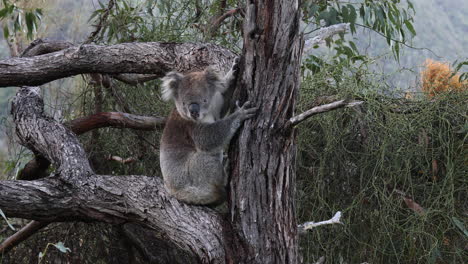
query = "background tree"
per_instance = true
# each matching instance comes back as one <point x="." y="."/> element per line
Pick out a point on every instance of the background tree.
<point x="259" y="224"/>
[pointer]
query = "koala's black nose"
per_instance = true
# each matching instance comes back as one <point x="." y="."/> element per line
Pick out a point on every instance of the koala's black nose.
<point x="194" y="109"/>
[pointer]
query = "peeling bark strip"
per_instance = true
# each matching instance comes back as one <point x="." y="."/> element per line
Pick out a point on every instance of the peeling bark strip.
<point x="150" y="58"/>
<point x="77" y="194"/>
<point x="263" y="180"/>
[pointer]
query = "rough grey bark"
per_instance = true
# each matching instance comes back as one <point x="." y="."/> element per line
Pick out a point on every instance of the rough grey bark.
<point x="263" y="179"/>
<point x="148" y="58"/>
<point x="76" y="193"/>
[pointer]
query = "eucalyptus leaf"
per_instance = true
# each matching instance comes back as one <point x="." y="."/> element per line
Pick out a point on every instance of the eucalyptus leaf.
<point x="8" y="223"/>
<point x="60" y="246"/>
<point x="460" y="225"/>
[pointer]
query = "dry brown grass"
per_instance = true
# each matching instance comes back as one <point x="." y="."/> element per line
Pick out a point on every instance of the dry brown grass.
<point x="437" y="77"/>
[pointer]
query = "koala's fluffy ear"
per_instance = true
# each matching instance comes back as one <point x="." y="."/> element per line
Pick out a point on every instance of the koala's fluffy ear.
<point x="169" y="86"/>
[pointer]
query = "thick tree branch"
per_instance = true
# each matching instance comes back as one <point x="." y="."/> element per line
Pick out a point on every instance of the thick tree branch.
<point x="46" y="136"/>
<point x="117" y="120"/>
<point x="147" y="58"/>
<point x="117" y="200"/>
<point x="45" y="46"/>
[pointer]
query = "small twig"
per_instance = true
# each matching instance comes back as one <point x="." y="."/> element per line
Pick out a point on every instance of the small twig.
<point x="23" y="234"/>
<point x="293" y="121"/>
<point x="217" y="22"/>
<point x="101" y="22"/>
<point x="134" y="79"/>
<point x="309" y="225"/>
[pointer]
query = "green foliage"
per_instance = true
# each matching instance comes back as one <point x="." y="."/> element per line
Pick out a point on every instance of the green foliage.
<point x="18" y="18"/>
<point x="171" y="21"/>
<point x="457" y="68"/>
<point x="365" y="161"/>
<point x="388" y="18"/>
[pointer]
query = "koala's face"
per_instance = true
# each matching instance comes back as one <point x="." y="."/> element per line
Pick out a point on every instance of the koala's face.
<point x="197" y="95"/>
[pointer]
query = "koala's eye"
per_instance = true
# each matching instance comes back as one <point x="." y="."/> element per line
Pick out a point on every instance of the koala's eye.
<point x="204" y="101"/>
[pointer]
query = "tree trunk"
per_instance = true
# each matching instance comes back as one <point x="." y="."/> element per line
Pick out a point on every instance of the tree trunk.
<point x="263" y="177"/>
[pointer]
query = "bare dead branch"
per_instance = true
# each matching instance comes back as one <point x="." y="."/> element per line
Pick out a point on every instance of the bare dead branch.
<point x="294" y="121"/>
<point x="145" y="58"/>
<point x="309" y="225"/>
<point x="24" y="233"/>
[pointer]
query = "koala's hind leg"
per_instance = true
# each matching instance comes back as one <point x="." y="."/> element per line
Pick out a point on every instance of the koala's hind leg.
<point x="206" y="195"/>
<point x="207" y="180"/>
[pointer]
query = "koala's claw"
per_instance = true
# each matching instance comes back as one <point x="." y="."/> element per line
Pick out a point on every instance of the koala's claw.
<point x="235" y="63"/>
<point x="246" y="111"/>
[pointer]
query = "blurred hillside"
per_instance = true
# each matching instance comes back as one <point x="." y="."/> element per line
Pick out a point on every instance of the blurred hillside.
<point x="62" y="20"/>
<point x="442" y="33"/>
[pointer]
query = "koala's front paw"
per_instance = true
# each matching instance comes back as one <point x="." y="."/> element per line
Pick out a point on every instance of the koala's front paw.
<point x="235" y="64"/>
<point x="246" y="111"/>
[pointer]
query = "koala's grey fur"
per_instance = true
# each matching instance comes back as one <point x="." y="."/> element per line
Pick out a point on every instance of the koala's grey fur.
<point x="191" y="152"/>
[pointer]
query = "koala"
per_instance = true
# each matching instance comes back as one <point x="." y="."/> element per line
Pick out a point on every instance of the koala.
<point x="193" y="140"/>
